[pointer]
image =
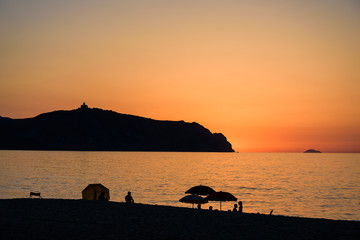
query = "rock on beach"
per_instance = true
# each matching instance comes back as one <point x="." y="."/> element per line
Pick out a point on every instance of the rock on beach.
<point x="81" y="219"/>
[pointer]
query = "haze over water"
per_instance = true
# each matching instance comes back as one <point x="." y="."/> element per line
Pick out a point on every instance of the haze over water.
<point x="307" y="185"/>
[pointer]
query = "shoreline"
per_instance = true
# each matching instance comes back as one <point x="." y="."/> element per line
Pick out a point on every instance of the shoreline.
<point x="26" y="218"/>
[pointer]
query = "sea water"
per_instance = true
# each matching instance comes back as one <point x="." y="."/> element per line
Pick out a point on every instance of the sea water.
<point x="293" y="184"/>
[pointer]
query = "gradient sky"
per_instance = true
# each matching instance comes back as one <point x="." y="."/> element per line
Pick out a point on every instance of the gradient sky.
<point x="271" y="75"/>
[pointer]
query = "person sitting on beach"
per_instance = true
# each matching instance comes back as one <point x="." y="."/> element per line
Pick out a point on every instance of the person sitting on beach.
<point x="240" y="207"/>
<point x="129" y="198"/>
<point x="102" y="196"/>
<point x="235" y="208"/>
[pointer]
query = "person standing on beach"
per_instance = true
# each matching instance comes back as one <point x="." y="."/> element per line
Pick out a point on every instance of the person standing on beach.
<point x="129" y="198"/>
<point x="240" y="207"/>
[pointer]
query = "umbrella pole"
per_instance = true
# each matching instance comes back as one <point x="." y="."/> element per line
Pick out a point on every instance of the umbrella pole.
<point x="220" y="205"/>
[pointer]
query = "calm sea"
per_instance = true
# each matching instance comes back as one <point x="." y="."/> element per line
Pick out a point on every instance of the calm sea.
<point x="307" y="185"/>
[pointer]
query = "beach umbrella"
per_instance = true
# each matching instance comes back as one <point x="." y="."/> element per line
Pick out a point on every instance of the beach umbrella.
<point x="193" y="199"/>
<point x="96" y="191"/>
<point x="221" y="197"/>
<point x="200" y="190"/>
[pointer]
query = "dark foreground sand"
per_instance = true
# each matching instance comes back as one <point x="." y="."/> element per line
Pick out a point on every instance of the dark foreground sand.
<point x="80" y="219"/>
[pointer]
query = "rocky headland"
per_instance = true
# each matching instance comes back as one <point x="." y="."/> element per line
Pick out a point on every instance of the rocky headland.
<point x="93" y="129"/>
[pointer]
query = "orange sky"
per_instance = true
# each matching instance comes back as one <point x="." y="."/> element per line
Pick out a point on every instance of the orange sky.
<point x="271" y="75"/>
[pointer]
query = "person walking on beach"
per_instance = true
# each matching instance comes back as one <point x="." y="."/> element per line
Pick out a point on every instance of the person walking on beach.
<point x="240" y="207"/>
<point x="129" y="198"/>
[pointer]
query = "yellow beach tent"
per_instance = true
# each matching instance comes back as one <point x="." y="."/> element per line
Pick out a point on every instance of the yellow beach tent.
<point x="96" y="192"/>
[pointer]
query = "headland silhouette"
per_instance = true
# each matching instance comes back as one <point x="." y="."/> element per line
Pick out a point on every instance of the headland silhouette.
<point x="93" y="129"/>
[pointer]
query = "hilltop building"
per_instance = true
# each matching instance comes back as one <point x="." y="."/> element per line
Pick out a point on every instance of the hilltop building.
<point x="84" y="106"/>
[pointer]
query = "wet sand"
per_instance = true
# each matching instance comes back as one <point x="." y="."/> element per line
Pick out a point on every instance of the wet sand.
<point x="80" y="219"/>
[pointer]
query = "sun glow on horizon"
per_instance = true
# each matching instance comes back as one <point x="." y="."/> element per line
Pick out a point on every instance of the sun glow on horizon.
<point x="271" y="77"/>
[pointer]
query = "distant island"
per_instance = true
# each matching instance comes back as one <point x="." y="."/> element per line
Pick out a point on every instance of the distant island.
<point x="93" y="129"/>
<point x="312" y="151"/>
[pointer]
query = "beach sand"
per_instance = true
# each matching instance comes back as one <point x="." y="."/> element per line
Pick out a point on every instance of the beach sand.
<point x="81" y="219"/>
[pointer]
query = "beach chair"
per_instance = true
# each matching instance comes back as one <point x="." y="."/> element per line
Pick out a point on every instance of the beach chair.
<point x="35" y="194"/>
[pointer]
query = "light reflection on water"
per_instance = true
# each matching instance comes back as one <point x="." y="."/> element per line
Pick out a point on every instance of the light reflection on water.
<point x="308" y="185"/>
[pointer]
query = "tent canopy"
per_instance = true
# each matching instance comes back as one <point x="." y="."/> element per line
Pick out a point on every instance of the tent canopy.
<point x="96" y="192"/>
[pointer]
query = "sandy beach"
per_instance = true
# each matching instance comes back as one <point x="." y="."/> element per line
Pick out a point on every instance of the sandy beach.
<point x="80" y="219"/>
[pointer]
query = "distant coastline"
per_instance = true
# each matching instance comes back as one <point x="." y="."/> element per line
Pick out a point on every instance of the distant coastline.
<point x="93" y="129"/>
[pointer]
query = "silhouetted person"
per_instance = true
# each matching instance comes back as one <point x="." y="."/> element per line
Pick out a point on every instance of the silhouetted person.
<point x="102" y="196"/>
<point x="199" y="206"/>
<point x="210" y="208"/>
<point x="129" y="198"/>
<point x="240" y="207"/>
<point x="235" y="208"/>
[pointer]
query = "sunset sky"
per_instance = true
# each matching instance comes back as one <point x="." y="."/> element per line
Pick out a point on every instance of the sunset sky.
<point x="271" y="75"/>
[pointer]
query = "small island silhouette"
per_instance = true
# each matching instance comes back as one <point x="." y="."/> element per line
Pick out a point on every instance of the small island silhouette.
<point x="312" y="151"/>
<point x="93" y="129"/>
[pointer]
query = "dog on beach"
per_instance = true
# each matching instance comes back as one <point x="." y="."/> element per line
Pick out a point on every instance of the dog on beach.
<point x="36" y="194"/>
